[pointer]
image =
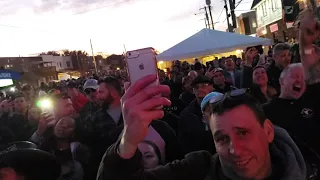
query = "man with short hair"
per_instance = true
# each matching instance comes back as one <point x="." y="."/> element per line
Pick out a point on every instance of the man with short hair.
<point x="297" y="108"/>
<point x="193" y="134"/>
<point x="233" y="76"/>
<point x="219" y="81"/>
<point x="282" y="58"/>
<point x="192" y="74"/>
<point x="248" y="145"/>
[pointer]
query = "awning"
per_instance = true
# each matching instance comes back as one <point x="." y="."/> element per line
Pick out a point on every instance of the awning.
<point x="208" y="42"/>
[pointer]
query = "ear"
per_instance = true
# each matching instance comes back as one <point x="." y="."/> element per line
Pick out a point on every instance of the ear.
<point x="281" y="81"/>
<point x="269" y="130"/>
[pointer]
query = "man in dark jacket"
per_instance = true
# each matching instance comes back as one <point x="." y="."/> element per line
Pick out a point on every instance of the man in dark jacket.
<point x="248" y="145"/>
<point x="282" y="58"/>
<point x="219" y="81"/>
<point x="295" y="110"/>
<point x="233" y="76"/>
<point x="193" y="135"/>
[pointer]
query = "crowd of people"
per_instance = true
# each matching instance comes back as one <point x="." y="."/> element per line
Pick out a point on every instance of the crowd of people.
<point x="250" y="118"/>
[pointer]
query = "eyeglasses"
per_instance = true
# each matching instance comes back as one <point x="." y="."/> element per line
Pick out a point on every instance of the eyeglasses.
<point x="89" y="91"/>
<point x="233" y="94"/>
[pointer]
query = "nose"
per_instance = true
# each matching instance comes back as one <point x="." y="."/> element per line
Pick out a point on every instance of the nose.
<point x="234" y="148"/>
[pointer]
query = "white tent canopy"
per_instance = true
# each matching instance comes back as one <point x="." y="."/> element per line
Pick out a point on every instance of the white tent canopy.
<point x="207" y="42"/>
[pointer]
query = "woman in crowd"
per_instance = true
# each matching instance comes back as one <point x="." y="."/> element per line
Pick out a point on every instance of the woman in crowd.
<point x="71" y="155"/>
<point x="151" y="156"/>
<point x="260" y="88"/>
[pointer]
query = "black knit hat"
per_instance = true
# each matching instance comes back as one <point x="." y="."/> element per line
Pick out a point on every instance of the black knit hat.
<point x="28" y="161"/>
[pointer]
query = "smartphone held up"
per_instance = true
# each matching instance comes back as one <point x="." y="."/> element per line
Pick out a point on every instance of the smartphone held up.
<point x="140" y="63"/>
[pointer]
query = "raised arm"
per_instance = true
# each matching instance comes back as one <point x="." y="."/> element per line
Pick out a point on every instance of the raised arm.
<point x="122" y="161"/>
<point x="309" y="29"/>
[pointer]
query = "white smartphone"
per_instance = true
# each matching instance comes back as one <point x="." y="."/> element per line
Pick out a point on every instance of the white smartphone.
<point x="140" y="63"/>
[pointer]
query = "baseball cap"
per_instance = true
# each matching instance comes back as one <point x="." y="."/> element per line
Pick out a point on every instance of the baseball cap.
<point x="207" y="98"/>
<point x="91" y="83"/>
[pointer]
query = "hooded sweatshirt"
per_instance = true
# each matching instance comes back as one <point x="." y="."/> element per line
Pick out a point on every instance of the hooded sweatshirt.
<point x="287" y="161"/>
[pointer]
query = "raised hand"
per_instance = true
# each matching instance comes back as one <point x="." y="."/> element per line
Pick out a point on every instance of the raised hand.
<point x="309" y="31"/>
<point x="43" y="123"/>
<point x="249" y="57"/>
<point x="140" y="105"/>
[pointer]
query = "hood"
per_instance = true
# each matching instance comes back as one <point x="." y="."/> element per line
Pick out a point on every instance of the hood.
<point x="286" y="151"/>
<point x="284" y="147"/>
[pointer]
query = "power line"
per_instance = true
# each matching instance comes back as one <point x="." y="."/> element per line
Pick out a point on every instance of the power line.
<point x="18" y="27"/>
<point x="220" y="14"/>
<point x="238" y="3"/>
<point x="102" y="7"/>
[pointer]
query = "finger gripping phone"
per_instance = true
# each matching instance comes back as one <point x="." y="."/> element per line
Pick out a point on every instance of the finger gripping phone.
<point x="140" y="63"/>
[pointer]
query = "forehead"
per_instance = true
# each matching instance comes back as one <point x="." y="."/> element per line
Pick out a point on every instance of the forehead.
<point x="145" y="147"/>
<point x="259" y="70"/>
<point x="228" y="60"/>
<point x="238" y="117"/>
<point x="218" y="73"/>
<point x="282" y="52"/>
<point x="295" y="70"/>
<point x="102" y="86"/>
<point x="64" y="101"/>
<point x="66" y="121"/>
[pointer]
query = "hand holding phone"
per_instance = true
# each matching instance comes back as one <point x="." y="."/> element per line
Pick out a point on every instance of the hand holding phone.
<point x="45" y="119"/>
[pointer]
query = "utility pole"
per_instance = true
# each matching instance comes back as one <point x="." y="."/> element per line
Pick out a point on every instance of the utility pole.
<point x="94" y="59"/>
<point x="233" y="16"/>
<point x="208" y="2"/>
<point x="210" y="8"/>
<point x="205" y="22"/>
<point x="227" y="13"/>
<point x="207" y="17"/>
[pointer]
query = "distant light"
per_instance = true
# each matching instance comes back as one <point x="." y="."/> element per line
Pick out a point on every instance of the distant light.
<point x="264" y="32"/>
<point x="5" y="82"/>
<point x="160" y="62"/>
<point x="13" y="89"/>
<point x="118" y="68"/>
<point x="46" y="103"/>
<point x="238" y="51"/>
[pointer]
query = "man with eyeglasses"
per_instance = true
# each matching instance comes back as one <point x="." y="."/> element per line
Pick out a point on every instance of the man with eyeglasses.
<point x="248" y="145"/>
<point x="192" y="130"/>
<point x="90" y="89"/>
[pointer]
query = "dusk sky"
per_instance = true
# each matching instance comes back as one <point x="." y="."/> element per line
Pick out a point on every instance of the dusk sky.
<point x="34" y="26"/>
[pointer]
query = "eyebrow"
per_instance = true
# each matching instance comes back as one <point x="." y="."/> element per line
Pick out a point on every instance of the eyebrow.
<point x="241" y="128"/>
<point x="148" y="152"/>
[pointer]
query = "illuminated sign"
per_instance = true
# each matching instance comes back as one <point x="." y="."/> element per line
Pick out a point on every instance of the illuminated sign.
<point x="5" y="75"/>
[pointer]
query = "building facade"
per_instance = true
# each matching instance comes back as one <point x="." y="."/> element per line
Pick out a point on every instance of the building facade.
<point x="247" y="23"/>
<point x="34" y="70"/>
<point x="270" y="23"/>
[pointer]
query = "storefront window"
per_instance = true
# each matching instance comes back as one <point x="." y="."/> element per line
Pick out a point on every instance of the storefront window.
<point x="264" y="9"/>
